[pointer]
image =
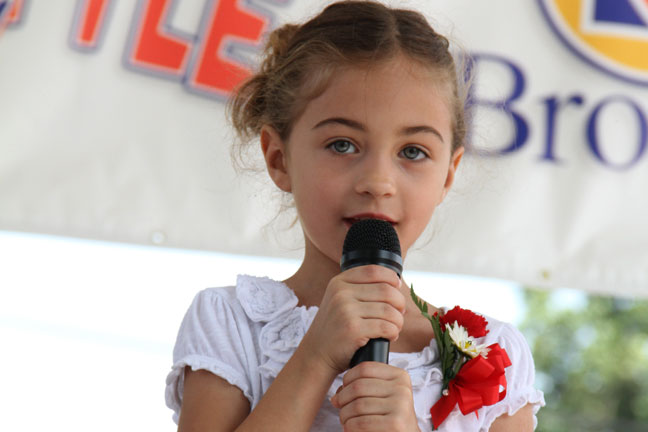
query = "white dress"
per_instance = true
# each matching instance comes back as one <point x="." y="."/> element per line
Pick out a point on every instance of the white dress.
<point x="246" y="333"/>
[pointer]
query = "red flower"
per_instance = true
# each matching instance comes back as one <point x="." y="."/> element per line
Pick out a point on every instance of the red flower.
<point x="474" y="324"/>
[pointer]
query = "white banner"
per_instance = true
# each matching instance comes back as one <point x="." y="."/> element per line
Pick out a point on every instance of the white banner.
<point x="112" y="127"/>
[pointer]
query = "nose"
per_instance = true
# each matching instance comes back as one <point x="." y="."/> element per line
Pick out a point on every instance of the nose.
<point x="376" y="177"/>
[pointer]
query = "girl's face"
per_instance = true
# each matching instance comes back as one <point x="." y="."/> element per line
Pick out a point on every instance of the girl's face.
<point x="376" y="143"/>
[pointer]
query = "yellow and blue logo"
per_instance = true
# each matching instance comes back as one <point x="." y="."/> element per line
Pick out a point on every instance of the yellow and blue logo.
<point x="612" y="35"/>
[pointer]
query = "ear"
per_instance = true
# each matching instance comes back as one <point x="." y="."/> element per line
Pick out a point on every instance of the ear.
<point x="274" y="153"/>
<point x="452" y="170"/>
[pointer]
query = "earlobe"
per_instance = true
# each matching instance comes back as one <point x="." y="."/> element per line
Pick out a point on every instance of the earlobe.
<point x="274" y="153"/>
<point x="452" y="170"/>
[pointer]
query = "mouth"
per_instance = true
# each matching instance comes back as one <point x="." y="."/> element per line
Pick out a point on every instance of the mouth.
<point x="348" y="221"/>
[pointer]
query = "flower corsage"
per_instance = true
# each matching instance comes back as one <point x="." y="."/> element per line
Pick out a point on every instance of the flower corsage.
<point x="473" y="375"/>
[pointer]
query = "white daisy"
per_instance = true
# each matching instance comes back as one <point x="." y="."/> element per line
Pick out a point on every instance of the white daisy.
<point x="466" y="343"/>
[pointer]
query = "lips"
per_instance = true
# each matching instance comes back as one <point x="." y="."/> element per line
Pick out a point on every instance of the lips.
<point x="355" y="218"/>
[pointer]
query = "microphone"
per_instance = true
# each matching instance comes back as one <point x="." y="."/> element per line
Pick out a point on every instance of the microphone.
<point x="372" y="241"/>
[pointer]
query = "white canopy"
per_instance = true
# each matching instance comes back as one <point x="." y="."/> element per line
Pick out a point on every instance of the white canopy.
<point x="112" y="127"/>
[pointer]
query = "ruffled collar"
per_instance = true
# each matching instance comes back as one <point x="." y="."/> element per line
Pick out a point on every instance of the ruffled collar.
<point x="264" y="299"/>
<point x="274" y="305"/>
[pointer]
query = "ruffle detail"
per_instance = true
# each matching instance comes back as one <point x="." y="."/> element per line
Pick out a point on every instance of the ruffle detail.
<point x="280" y="337"/>
<point x="264" y="299"/>
<point x="271" y="302"/>
<point x="421" y="366"/>
<point x="516" y="399"/>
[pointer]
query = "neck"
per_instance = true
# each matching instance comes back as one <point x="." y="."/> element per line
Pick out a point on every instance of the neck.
<point x="311" y="279"/>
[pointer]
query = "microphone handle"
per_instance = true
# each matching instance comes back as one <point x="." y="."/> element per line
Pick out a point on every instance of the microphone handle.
<point x="375" y="350"/>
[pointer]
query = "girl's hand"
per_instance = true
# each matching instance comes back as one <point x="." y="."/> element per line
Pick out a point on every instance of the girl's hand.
<point x="359" y="304"/>
<point x="376" y="397"/>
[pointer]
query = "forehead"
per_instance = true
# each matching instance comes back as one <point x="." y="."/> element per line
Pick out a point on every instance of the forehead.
<point x="398" y="91"/>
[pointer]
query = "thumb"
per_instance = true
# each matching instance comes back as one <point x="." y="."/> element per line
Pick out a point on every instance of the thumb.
<point x="334" y="398"/>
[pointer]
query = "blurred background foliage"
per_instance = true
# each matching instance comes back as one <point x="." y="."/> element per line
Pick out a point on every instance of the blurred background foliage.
<point x="591" y="356"/>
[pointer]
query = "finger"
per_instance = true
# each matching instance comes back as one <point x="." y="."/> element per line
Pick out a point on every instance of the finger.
<point x="383" y="311"/>
<point x="375" y="423"/>
<point x="371" y="328"/>
<point x="368" y="274"/>
<point x="380" y="292"/>
<point x="365" y="406"/>
<point x="376" y="370"/>
<point x="334" y="398"/>
<point x="365" y="387"/>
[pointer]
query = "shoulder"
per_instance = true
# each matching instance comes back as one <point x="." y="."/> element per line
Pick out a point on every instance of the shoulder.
<point x="210" y="296"/>
<point x="211" y="306"/>
<point x="213" y="318"/>
<point x="520" y="375"/>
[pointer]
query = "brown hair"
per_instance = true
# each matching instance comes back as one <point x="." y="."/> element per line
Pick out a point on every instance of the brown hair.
<point x="299" y="61"/>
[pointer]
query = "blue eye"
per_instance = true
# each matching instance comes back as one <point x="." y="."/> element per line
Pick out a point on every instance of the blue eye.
<point x="413" y="153"/>
<point x="342" y="147"/>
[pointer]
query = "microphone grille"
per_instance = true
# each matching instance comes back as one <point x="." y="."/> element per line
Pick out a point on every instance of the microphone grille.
<point x="372" y="234"/>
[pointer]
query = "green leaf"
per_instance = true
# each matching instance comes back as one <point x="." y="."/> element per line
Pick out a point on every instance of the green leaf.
<point x="421" y="304"/>
<point x="447" y="341"/>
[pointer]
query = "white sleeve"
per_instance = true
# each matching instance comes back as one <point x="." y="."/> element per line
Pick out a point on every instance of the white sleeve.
<point x="520" y="377"/>
<point x="211" y="338"/>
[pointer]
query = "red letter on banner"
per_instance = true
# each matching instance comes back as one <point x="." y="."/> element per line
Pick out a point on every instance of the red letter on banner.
<point x="228" y="21"/>
<point x="154" y="49"/>
<point x="90" y="22"/>
<point x="16" y="11"/>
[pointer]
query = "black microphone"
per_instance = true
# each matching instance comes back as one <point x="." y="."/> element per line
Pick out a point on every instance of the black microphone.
<point x="372" y="241"/>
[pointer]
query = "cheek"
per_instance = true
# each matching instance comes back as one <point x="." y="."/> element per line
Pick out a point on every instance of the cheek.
<point x="316" y="192"/>
<point x="422" y="202"/>
<point x="418" y="222"/>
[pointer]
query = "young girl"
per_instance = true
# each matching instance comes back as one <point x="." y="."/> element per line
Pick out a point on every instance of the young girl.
<point x="359" y="116"/>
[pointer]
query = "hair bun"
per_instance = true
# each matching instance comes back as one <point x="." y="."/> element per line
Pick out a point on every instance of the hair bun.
<point x="278" y="43"/>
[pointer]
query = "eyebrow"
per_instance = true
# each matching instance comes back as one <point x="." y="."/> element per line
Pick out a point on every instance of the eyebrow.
<point x="408" y="130"/>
